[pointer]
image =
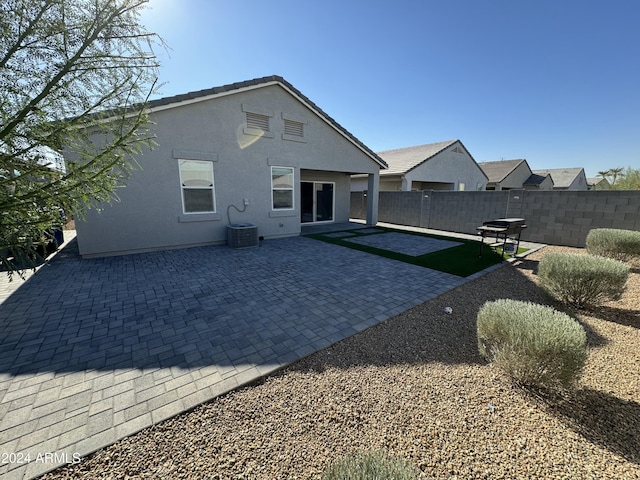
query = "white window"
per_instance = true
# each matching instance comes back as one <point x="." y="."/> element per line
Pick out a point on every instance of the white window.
<point x="461" y="186"/>
<point x="282" y="179"/>
<point x="196" y="181"/>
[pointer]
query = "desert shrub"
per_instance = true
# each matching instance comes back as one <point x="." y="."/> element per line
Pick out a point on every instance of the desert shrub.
<point x="371" y="466"/>
<point x="533" y="344"/>
<point x="621" y="245"/>
<point x="582" y="280"/>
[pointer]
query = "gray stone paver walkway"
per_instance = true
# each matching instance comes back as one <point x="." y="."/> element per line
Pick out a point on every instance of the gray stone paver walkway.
<point x="92" y="351"/>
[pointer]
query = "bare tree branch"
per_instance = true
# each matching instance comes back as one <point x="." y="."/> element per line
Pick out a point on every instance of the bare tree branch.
<point x="74" y="74"/>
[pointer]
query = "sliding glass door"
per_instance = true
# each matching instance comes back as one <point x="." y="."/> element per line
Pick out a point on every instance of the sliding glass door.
<point x="317" y="202"/>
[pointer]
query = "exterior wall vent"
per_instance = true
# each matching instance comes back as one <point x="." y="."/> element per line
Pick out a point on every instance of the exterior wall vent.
<point x="257" y="121"/>
<point x="292" y="128"/>
<point x="242" y="235"/>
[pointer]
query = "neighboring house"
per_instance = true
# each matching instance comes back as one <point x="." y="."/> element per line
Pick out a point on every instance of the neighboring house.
<point x="435" y="166"/>
<point x="598" y="183"/>
<point x="566" y="178"/>
<point x="538" y="182"/>
<point x="510" y="174"/>
<point x="257" y="152"/>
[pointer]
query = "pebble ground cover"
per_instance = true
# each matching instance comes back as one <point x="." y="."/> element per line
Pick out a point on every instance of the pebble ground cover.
<point x="416" y="387"/>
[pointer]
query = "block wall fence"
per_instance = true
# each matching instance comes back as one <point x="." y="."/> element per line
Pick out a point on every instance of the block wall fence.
<point x="552" y="217"/>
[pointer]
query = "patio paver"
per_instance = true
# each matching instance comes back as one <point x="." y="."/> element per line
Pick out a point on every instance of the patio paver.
<point x="407" y="244"/>
<point x="92" y="351"/>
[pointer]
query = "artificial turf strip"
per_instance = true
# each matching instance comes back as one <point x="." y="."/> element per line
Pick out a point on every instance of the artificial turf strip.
<point x="461" y="260"/>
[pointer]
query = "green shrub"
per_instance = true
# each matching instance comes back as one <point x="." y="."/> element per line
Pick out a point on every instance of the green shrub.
<point x="621" y="245"/>
<point x="533" y="344"/>
<point x="371" y="466"/>
<point x="582" y="280"/>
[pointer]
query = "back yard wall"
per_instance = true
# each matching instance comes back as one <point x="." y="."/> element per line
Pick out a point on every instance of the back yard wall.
<point x="552" y="217"/>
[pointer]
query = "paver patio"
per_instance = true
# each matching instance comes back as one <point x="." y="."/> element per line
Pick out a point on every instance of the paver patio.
<point x="403" y="243"/>
<point x="92" y="351"/>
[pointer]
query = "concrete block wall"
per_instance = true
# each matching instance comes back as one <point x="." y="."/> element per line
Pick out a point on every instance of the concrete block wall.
<point x="464" y="211"/>
<point x="566" y="217"/>
<point x="400" y="209"/>
<point x="553" y="217"/>
<point x="358" y="205"/>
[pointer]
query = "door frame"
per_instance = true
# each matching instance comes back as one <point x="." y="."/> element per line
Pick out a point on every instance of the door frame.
<point x="315" y="203"/>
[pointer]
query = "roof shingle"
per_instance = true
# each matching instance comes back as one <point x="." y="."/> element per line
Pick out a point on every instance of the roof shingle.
<point x="499" y="170"/>
<point x="402" y="160"/>
<point x="562" y="177"/>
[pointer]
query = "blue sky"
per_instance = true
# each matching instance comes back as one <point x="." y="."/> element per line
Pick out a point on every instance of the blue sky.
<point x="556" y="82"/>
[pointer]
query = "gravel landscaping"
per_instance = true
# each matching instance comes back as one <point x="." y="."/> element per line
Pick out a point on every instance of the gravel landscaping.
<point x="414" y="386"/>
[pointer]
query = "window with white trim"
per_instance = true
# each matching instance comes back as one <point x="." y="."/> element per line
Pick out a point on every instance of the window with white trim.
<point x="282" y="180"/>
<point x="196" y="182"/>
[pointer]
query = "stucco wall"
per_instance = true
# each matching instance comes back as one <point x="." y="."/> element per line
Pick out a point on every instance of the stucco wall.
<point x="445" y="171"/>
<point x="545" y="185"/>
<point x="552" y="217"/>
<point x="450" y="167"/>
<point x="580" y="183"/>
<point x="392" y="183"/>
<point x="149" y="214"/>
<point x="341" y="190"/>
<point x="516" y="178"/>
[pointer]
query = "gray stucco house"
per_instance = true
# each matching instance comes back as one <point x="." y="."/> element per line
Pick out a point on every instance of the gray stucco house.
<point x="566" y="178"/>
<point x="435" y="166"/>
<point x="598" y="183"/>
<point x="256" y="152"/>
<point x="510" y="174"/>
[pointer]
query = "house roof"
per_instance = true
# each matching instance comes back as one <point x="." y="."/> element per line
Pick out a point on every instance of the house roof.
<point x="403" y="160"/>
<point x="202" y="95"/>
<point x="597" y="180"/>
<point x="535" y="179"/>
<point x="499" y="170"/>
<point x="562" y="177"/>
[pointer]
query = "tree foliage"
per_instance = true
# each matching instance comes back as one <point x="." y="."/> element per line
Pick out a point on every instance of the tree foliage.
<point x="630" y="180"/>
<point x="621" y="179"/>
<point x="74" y="74"/>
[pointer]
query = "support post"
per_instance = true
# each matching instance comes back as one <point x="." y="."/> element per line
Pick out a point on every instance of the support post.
<point x="373" y="190"/>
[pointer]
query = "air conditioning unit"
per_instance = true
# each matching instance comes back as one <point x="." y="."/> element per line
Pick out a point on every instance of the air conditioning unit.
<point x="242" y="235"/>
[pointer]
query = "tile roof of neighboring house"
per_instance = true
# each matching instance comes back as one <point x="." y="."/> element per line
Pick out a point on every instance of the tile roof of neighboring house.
<point x="535" y="179"/>
<point x="593" y="181"/>
<point x="499" y="170"/>
<point x="562" y="177"/>
<point x="256" y="83"/>
<point x="403" y="160"/>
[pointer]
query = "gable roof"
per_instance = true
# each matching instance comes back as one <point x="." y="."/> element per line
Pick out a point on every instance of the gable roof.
<point x="594" y="181"/>
<point x="536" y="179"/>
<point x="403" y="160"/>
<point x="203" y="95"/>
<point x="562" y="177"/>
<point x="499" y="170"/>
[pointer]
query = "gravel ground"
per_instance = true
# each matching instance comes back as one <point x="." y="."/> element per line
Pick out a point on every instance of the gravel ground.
<point x="414" y="386"/>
